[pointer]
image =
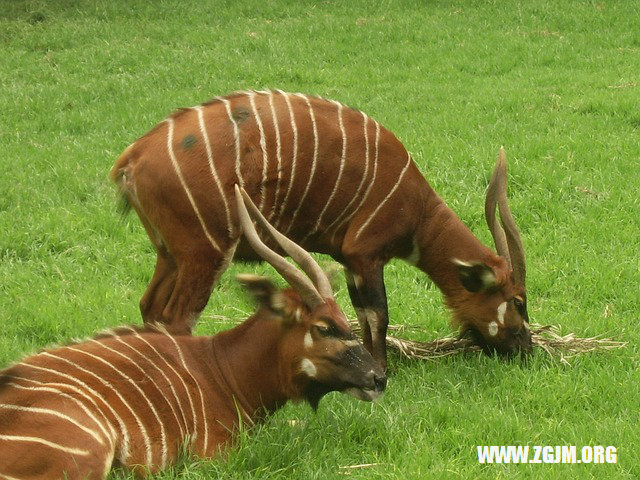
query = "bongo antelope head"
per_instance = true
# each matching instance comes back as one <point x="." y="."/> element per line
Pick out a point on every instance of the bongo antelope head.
<point x="318" y="352"/>
<point x="492" y="307"/>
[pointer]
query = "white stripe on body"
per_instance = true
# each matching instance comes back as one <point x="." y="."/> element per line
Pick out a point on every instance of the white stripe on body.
<point x="53" y="413"/>
<point x="143" y="430"/>
<point x="212" y="167"/>
<point x="49" y="388"/>
<point x="126" y="439"/>
<point x="292" y="177"/>
<point x="345" y="212"/>
<point x="391" y="192"/>
<point x="313" y="162"/>
<point x="263" y="147"/>
<point x="20" y="438"/>
<point x="204" y="413"/>
<point x="163" y="433"/>
<point x="236" y="139"/>
<point x="176" y="167"/>
<point x="343" y="157"/>
<point x="184" y="385"/>
<point x="274" y="118"/>
<point x="7" y="477"/>
<point x="182" y="425"/>
<point x="375" y="170"/>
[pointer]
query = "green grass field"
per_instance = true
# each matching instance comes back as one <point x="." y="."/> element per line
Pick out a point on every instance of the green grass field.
<point x="556" y="82"/>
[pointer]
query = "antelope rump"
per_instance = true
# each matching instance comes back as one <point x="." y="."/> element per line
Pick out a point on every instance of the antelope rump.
<point x="335" y="181"/>
<point x="135" y="396"/>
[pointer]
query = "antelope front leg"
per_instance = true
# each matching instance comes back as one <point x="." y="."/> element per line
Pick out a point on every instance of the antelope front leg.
<point x="367" y="292"/>
<point x="354" y="295"/>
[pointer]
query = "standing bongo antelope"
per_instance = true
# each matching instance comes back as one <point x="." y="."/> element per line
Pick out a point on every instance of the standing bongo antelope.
<point x="134" y="398"/>
<point x="335" y="181"/>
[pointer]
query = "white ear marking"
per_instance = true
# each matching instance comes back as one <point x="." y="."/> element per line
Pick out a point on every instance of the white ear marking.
<point x="493" y="329"/>
<point x="277" y="301"/>
<point x="308" y="340"/>
<point x="488" y="278"/>
<point x="502" y="308"/>
<point x="308" y="367"/>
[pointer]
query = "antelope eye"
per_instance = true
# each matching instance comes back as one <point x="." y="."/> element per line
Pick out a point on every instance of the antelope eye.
<point x="518" y="302"/>
<point x="322" y="329"/>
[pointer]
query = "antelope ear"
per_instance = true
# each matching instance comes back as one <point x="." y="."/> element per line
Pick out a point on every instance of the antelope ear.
<point x="475" y="276"/>
<point x="265" y="293"/>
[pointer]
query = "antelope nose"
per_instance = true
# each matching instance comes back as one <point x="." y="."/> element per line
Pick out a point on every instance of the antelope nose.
<point x="380" y="382"/>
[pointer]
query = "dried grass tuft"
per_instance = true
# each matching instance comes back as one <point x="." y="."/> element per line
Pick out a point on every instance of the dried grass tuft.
<point x="546" y="337"/>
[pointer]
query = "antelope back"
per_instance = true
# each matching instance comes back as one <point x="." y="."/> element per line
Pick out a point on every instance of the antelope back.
<point x="309" y="164"/>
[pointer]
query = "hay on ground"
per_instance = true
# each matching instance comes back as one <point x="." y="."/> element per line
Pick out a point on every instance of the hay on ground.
<point x="546" y="337"/>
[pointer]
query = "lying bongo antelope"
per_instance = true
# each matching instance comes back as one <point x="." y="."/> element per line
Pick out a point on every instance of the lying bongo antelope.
<point x="335" y="181"/>
<point x="133" y="397"/>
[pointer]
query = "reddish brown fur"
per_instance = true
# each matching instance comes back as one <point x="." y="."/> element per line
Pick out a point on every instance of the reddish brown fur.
<point x="197" y="389"/>
<point x="386" y="205"/>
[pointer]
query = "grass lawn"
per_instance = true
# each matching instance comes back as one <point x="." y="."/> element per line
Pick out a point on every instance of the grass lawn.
<point x="556" y="82"/>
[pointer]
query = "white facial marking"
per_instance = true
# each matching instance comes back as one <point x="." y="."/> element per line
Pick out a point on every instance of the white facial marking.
<point x="308" y="340"/>
<point x="351" y="343"/>
<point x="298" y="314"/>
<point x="502" y="308"/>
<point x="461" y="263"/>
<point x="308" y="367"/>
<point x="493" y="329"/>
<point x="357" y="280"/>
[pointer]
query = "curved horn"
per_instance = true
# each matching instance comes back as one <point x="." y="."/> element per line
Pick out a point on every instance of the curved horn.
<point x="295" y="251"/>
<point x="509" y="234"/>
<point x="493" y="192"/>
<point x="291" y="274"/>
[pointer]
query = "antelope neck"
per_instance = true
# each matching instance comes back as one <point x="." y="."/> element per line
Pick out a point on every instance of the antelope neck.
<point x="228" y="381"/>
<point x="247" y="361"/>
<point x="441" y="237"/>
